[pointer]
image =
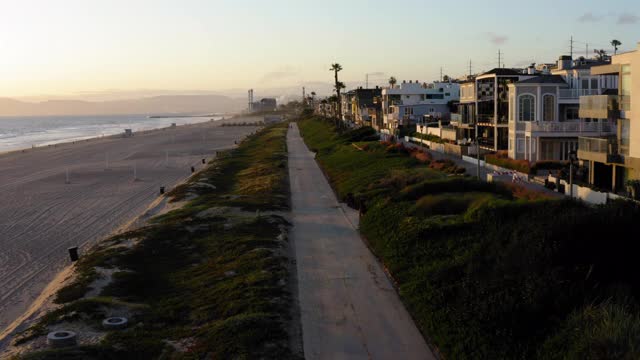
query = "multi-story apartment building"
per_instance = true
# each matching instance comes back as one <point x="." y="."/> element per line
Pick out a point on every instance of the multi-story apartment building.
<point x="612" y="160"/>
<point x="406" y="104"/>
<point x="544" y="122"/>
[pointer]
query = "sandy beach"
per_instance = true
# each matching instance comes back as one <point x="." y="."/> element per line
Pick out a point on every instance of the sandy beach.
<point x="41" y="215"/>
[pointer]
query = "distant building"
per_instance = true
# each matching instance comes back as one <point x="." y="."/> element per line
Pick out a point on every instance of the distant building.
<point x="363" y="106"/>
<point x="408" y="103"/>
<point x="266" y="104"/>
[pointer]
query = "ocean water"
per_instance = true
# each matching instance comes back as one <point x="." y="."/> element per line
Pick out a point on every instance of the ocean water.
<point x="24" y="132"/>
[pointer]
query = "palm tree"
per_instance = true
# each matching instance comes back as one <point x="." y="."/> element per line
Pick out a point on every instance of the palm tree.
<point x="392" y="81"/>
<point x="615" y="43"/>
<point x="600" y="54"/>
<point x="336" y="68"/>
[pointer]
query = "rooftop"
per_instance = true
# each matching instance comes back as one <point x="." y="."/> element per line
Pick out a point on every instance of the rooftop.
<point x="544" y="79"/>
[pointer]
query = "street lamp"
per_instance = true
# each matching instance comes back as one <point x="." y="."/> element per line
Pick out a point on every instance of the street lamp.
<point x="572" y="158"/>
<point x="477" y="151"/>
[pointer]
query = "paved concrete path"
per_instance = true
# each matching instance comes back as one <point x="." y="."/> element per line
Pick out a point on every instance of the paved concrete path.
<point x="349" y="309"/>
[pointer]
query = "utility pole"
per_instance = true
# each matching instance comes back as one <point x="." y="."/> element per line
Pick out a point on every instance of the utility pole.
<point x="366" y="82"/>
<point x="586" y="54"/>
<point x="440" y="73"/>
<point x="499" y="58"/>
<point x="304" y="95"/>
<point x="470" y="72"/>
<point x="571" y="46"/>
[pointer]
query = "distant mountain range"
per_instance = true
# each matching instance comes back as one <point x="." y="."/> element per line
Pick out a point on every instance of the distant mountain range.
<point x="156" y="105"/>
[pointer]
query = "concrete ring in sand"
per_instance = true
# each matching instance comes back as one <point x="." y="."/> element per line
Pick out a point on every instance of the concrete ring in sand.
<point x="61" y="338"/>
<point x="115" y="322"/>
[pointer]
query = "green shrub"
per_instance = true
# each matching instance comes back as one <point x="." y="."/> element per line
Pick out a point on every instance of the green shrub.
<point x="456" y="185"/>
<point x="604" y="331"/>
<point x="548" y="165"/>
<point x="448" y="204"/>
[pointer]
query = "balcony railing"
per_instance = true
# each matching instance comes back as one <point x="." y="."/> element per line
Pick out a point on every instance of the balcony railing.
<point x="602" y="106"/>
<point x="603" y="150"/>
<point x="577" y="93"/>
<point x="567" y="127"/>
<point x="483" y="118"/>
<point x="456" y="118"/>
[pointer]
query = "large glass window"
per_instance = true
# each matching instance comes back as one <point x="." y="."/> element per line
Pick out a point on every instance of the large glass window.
<point x="549" y="103"/>
<point x="527" y="108"/>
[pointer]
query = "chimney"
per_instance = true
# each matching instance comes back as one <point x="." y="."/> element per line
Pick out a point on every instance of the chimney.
<point x="564" y="62"/>
<point x="531" y="70"/>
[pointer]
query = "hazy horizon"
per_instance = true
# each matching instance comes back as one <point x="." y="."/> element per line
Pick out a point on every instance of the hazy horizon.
<point x="112" y="50"/>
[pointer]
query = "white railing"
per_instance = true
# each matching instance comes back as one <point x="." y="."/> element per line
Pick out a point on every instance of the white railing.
<point x="568" y="126"/>
<point x="576" y="93"/>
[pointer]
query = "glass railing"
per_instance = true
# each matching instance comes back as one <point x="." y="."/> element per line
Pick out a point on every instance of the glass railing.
<point x="598" y="145"/>
<point x="602" y="106"/>
<point x="576" y="93"/>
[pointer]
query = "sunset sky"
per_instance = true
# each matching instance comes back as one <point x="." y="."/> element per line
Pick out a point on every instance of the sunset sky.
<point x="73" y="47"/>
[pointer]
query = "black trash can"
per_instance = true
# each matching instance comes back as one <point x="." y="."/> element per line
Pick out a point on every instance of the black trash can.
<point x="161" y="190"/>
<point x="73" y="253"/>
<point x="193" y="169"/>
<point x="204" y="161"/>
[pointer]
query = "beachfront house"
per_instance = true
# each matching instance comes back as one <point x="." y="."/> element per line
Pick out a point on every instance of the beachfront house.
<point x="407" y="104"/>
<point x="612" y="160"/>
<point x="544" y="122"/>
<point x="363" y="105"/>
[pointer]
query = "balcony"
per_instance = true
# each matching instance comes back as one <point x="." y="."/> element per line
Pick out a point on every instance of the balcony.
<point x="602" y="106"/>
<point x="606" y="127"/>
<point x="486" y="119"/>
<point x="575" y="94"/>
<point x="456" y="119"/>
<point x="603" y="150"/>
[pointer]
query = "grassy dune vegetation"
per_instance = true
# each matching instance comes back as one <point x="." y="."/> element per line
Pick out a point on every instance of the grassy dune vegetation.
<point x="206" y="281"/>
<point x="491" y="271"/>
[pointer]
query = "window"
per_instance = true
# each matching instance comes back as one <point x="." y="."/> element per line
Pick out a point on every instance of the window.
<point x="447" y="94"/>
<point x="435" y="96"/>
<point x="585" y="84"/>
<point x="520" y="145"/>
<point x="549" y="111"/>
<point x="527" y="108"/>
<point x="571" y="114"/>
<point x="441" y="90"/>
<point x="594" y="84"/>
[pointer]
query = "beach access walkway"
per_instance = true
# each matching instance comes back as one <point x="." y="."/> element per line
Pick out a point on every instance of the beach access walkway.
<point x="349" y="308"/>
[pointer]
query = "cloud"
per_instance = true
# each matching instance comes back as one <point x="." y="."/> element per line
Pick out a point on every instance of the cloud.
<point x="625" y="19"/>
<point x="589" y="17"/>
<point x="282" y="73"/>
<point x="497" y="39"/>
